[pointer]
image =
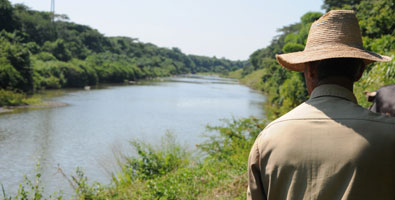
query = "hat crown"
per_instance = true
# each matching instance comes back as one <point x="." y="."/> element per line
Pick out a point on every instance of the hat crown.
<point x="334" y="35"/>
<point x="337" y="27"/>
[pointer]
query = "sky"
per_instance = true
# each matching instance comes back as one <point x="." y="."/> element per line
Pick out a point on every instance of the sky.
<point x="233" y="29"/>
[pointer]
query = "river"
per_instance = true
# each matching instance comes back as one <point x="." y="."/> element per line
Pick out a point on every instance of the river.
<point x="98" y="123"/>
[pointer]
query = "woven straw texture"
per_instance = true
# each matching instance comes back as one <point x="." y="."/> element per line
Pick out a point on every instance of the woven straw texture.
<point x="334" y="35"/>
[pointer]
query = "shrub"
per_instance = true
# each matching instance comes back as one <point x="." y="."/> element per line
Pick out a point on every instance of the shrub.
<point x="52" y="83"/>
<point x="45" y="56"/>
<point x="10" y="98"/>
<point x="154" y="162"/>
<point x="292" y="47"/>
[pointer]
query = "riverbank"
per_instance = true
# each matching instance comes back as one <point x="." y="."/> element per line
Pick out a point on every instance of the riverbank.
<point x="4" y="110"/>
<point x="42" y="104"/>
<point x="252" y="80"/>
<point x="12" y="101"/>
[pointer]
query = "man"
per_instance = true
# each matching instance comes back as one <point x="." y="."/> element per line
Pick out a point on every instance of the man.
<point x="328" y="147"/>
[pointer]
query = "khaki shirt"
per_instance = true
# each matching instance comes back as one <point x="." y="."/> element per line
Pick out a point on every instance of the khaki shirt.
<point x="326" y="148"/>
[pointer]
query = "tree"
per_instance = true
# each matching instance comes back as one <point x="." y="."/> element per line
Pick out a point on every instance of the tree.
<point x="36" y="25"/>
<point x="6" y="16"/>
<point x="16" y="72"/>
<point x="292" y="47"/>
<point x="376" y="18"/>
<point x="58" y="49"/>
<point x="339" y="4"/>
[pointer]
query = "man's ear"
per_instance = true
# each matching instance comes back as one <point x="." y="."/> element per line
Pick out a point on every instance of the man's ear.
<point x="309" y="77"/>
<point x="310" y="70"/>
<point x="360" y="73"/>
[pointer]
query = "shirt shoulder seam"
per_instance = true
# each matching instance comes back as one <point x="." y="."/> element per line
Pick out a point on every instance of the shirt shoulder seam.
<point x="327" y="119"/>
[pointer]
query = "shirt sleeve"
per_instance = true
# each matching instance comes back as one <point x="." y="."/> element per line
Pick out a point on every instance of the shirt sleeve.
<point x="255" y="188"/>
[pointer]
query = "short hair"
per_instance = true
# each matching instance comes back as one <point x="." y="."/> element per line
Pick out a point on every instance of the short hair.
<point x="345" y="67"/>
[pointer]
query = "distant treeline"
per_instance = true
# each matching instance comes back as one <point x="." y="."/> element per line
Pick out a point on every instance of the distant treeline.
<point x="39" y="50"/>
<point x="286" y="89"/>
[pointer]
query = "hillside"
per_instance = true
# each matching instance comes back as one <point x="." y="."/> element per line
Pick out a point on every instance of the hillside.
<point x="42" y="51"/>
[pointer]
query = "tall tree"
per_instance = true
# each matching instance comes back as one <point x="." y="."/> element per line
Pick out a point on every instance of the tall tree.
<point x="6" y="16"/>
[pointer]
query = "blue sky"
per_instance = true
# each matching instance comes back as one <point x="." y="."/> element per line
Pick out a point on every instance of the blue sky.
<point x="223" y="28"/>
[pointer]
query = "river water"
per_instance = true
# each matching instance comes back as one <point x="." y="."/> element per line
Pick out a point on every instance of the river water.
<point x="97" y="124"/>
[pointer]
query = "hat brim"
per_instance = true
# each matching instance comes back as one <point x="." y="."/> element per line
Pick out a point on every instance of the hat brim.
<point x="296" y="61"/>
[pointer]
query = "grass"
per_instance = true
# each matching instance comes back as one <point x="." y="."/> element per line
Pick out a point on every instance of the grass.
<point x="169" y="171"/>
<point x="253" y="80"/>
<point x="236" y="74"/>
<point x="11" y="98"/>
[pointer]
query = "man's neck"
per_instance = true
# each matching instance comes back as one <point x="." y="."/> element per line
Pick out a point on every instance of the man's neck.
<point x="338" y="80"/>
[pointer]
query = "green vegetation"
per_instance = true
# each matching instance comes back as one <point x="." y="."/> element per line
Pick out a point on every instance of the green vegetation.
<point x="253" y="79"/>
<point x="285" y="89"/>
<point x="38" y="53"/>
<point x="9" y="98"/>
<point x="170" y="171"/>
<point x="31" y="189"/>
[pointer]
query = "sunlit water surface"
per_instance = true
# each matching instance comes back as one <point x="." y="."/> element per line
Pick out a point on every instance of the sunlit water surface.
<point x="100" y="122"/>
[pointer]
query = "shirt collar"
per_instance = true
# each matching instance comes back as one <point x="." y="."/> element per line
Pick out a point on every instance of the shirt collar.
<point x="333" y="90"/>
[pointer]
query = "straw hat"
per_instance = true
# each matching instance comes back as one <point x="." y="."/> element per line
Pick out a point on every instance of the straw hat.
<point x="334" y="35"/>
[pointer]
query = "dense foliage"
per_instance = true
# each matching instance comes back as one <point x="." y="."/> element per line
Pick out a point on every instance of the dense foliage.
<point x="285" y="89"/>
<point x="37" y="52"/>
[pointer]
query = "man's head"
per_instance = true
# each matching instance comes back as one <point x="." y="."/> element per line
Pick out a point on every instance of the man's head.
<point x="341" y="71"/>
<point x="333" y="52"/>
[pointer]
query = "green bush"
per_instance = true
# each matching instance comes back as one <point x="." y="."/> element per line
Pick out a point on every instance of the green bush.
<point x="10" y="98"/>
<point x="383" y="45"/>
<point x="292" y="47"/>
<point x="9" y="76"/>
<point x="154" y="162"/>
<point x="52" y="83"/>
<point x="45" y="56"/>
<point x="58" y="49"/>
